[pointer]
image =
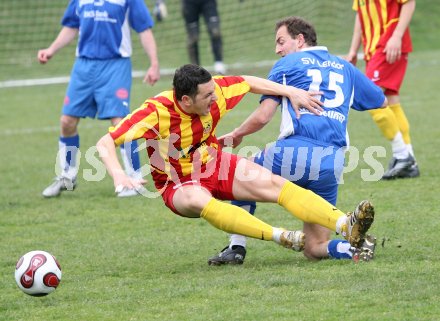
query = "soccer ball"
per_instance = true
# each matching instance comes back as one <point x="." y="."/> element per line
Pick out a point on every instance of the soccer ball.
<point x="37" y="273"/>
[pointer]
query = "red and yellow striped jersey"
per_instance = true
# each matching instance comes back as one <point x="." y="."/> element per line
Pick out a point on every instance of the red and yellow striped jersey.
<point x="179" y="143"/>
<point x="378" y="19"/>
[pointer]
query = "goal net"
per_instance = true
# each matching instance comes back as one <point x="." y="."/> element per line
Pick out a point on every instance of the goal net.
<point x="247" y="28"/>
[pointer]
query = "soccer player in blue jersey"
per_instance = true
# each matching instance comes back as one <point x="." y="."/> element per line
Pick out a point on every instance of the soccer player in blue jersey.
<point x="101" y="76"/>
<point x="310" y="149"/>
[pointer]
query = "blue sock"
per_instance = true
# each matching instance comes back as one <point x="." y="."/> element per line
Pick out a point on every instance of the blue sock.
<point x="339" y="249"/>
<point x="133" y="156"/>
<point x="246" y="205"/>
<point x="69" y="147"/>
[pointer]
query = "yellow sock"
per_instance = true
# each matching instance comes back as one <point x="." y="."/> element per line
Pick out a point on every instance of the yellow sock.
<point x="309" y="207"/>
<point x="235" y="220"/>
<point x="386" y="121"/>
<point x="402" y="122"/>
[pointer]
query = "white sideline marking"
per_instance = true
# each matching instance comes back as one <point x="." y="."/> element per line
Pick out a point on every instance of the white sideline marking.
<point x="135" y="74"/>
<point x="61" y="80"/>
<point x="33" y="82"/>
<point x="37" y="130"/>
<point x="163" y="72"/>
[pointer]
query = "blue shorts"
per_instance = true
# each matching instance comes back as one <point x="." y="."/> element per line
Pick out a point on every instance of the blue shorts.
<point x="306" y="162"/>
<point x="99" y="88"/>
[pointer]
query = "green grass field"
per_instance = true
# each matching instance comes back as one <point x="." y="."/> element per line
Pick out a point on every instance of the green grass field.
<point x="132" y="259"/>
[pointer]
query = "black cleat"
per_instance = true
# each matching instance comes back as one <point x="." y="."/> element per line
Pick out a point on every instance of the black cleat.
<point x="414" y="171"/>
<point x="402" y="168"/>
<point x="235" y="255"/>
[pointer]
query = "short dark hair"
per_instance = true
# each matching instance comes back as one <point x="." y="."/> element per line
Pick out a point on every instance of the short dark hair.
<point x="296" y="26"/>
<point x="187" y="78"/>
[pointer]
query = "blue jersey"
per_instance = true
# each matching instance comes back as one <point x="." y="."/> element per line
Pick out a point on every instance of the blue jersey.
<point x="343" y="86"/>
<point x="104" y="26"/>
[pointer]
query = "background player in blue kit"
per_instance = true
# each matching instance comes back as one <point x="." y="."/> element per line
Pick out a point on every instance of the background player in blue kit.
<point x="101" y="76"/>
<point x="310" y="149"/>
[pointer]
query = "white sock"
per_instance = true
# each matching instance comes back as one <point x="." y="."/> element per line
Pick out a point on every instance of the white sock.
<point x="71" y="171"/>
<point x="410" y="149"/>
<point x="343" y="247"/>
<point x="276" y="234"/>
<point x="342" y="220"/>
<point x="236" y="239"/>
<point x="399" y="148"/>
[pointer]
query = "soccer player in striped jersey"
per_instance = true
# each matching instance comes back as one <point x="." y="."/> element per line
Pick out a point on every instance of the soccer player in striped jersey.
<point x="100" y="81"/>
<point x="383" y="28"/>
<point x="310" y="150"/>
<point x="193" y="173"/>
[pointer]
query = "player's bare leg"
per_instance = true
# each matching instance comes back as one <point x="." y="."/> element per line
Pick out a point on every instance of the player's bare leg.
<point x="317" y="241"/>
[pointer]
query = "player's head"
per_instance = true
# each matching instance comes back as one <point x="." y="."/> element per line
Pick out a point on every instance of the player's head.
<point x="187" y="79"/>
<point x="293" y="34"/>
<point x="194" y="89"/>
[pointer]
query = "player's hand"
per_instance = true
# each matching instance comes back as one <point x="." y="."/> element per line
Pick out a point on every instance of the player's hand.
<point x="44" y="55"/>
<point x="122" y="180"/>
<point x="230" y="140"/>
<point x="152" y="75"/>
<point x="393" y="49"/>
<point x="309" y="100"/>
<point x="352" y="58"/>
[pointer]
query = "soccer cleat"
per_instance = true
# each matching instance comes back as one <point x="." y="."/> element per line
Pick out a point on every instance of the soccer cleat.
<point x="219" y="68"/>
<point x="234" y="255"/>
<point x="358" y="223"/>
<point x="294" y="240"/>
<point x="414" y="171"/>
<point x="366" y="251"/>
<point x="127" y="192"/>
<point x="60" y="184"/>
<point x="401" y="168"/>
<point x="160" y="11"/>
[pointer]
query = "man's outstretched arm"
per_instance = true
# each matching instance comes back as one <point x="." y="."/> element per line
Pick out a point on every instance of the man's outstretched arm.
<point x="298" y="97"/>
<point x="107" y="151"/>
<point x="255" y="122"/>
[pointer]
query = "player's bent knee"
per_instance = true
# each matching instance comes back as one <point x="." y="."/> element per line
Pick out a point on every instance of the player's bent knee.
<point x="68" y="125"/>
<point x="214" y="27"/>
<point x="190" y="203"/>
<point x="193" y="34"/>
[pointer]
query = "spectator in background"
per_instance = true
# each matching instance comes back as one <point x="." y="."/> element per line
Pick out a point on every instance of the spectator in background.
<point x="383" y="28"/>
<point x="191" y="11"/>
<point x="101" y="76"/>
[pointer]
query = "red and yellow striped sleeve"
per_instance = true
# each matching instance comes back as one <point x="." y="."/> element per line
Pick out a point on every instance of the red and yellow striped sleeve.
<point x="141" y="123"/>
<point x="230" y="90"/>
